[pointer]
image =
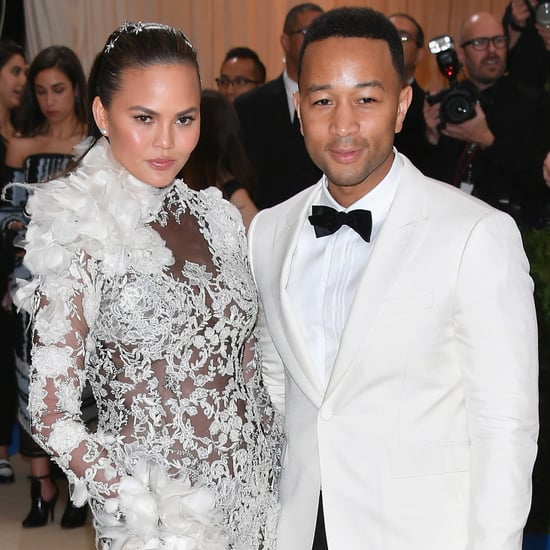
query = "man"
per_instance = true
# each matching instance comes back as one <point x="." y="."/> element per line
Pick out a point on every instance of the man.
<point x="496" y="155"/>
<point x="405" y="361"/>
<point x="241" y="71"/>
<point x="271" y="131"/>
<point x="529" y="55"/>
<point x="411" y="140"/>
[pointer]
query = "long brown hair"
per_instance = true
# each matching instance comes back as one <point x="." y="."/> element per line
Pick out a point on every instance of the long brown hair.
<point x="220" y="152"/>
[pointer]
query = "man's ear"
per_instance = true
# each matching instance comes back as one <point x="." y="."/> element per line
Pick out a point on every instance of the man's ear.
<point x="285" y="43"/>
<point x="460" y="56"/>
<point x="296" y="98"/>
<point x="405" y="98"/>
<point x="100" y="115"/>
<point x="419" y="56"/>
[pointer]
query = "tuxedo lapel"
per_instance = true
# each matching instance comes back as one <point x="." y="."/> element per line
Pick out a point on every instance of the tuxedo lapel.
<point x="397" y="240"/>
<point x="300" y="365"/>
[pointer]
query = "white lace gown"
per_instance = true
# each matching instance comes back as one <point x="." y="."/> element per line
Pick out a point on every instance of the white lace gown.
<point x="147" y="293"/>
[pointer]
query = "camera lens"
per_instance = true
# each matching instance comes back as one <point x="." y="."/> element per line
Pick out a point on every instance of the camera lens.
<point x="457" y="107"/>
<point x="542" y="14"/>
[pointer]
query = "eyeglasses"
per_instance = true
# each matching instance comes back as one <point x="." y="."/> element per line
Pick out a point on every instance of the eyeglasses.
<point x="482" y="43"/>
<point x="238" y="82"/>
<point x="406" y="36"/>
<point x="299" y="31"/>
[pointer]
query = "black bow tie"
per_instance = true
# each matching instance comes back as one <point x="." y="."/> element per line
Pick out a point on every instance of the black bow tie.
<point x="327" y="220"/>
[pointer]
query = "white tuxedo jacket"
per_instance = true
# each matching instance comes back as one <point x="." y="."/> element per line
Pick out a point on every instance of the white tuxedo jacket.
<point x="425" y="437"/>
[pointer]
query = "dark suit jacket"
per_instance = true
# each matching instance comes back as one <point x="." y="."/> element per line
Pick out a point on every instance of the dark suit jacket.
<point x="276" y="147"/>
<point x="508" y="174"/>
<point x="411" y="141"/>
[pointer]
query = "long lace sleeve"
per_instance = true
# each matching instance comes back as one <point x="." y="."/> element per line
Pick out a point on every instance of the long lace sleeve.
<point x="65" y="307"/>
<point x="272" y="422"/>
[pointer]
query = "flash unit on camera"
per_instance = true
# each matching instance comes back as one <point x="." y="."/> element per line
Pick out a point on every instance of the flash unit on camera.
<point x="440" y="44"/>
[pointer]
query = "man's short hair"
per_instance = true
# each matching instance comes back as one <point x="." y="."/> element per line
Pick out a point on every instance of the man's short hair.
<point x="419" y="31"/>
<point x="355" y="22"/>
<point x="292" y="15"/>
<point x="242" y="52"/>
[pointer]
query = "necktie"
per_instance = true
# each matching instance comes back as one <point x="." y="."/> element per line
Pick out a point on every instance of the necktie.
<point x="327" y="220"/>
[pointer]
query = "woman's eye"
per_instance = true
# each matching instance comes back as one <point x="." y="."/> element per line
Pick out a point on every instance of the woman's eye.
<point x="143" y="118"/>
<point x="185" y="120"/>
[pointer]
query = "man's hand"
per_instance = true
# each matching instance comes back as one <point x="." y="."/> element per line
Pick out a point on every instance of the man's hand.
<point x="520" y="11"/>
<point x="546" y="169"/>
<point x="544" y="33"/>
<point x="474" y="130"/>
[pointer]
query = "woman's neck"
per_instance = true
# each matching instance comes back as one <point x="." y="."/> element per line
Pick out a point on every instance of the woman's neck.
<point x="65" y="129"/>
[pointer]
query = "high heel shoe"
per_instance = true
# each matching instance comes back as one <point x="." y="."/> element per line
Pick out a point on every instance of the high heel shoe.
<point x="40" y="509"/>
<point x="73" y="516"/>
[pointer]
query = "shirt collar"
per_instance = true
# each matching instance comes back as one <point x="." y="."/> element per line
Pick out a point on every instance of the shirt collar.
<point x="291" y="86"/>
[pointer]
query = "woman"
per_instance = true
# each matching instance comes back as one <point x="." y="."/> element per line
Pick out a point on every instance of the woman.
<point x="220" y="160"/>
<point x="141" y="285"/>
<point x="53" y="123"/>
<point x="12" y="82"/>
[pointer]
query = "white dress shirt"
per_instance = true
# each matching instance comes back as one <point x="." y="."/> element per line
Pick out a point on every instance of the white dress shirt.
<point x="325" y="272"/>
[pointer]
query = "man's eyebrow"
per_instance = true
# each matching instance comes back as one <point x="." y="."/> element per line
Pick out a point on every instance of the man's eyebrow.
<point x="323" y="87"/>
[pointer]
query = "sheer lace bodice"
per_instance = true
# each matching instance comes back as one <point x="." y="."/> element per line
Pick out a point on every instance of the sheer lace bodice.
<point x="147" y="293"/>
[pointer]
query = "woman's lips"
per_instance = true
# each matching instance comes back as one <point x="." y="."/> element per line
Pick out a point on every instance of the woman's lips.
<point x="161" y="163"/>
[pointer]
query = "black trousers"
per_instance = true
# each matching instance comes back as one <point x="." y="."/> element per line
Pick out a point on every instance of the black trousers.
<point x="320" y="538"/>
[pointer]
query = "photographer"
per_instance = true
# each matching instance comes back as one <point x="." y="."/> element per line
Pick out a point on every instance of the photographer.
<point x="495" y="155"/>
<point x="528" y="24"/>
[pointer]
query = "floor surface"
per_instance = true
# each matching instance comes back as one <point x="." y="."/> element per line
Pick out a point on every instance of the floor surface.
<point x="14" y="506"/>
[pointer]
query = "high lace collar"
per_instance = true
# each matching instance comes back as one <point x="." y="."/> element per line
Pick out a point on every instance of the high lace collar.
<point x="100" y="209"/>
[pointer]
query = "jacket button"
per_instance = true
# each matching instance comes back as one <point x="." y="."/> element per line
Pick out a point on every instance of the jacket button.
<point x="326" y="414"/>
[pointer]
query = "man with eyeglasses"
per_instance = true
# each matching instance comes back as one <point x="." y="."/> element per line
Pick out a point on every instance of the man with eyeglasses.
<point x="410" y="140"/>
<point x="271" y="130"/>
<point x="241" y="71"/>
<point x="497" y="154"/>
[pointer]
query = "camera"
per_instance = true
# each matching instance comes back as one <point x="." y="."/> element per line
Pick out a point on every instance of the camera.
<point x="539" y="13"/>
<point x="542" y="14"/>
<point x="457" y="103"/>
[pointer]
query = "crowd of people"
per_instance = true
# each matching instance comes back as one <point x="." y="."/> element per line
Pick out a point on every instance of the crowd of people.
<point x="285" y="314"/>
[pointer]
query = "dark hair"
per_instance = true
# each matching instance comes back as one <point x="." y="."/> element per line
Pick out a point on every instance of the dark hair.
<point x="220" y="151"/>
<point x="419" y="32"/>
<point x="33" y="121"/>
<point x="134" y="45"/>
<point x="8" y="49"/>
<point x="242" y="52"/>
<point x="292" y="15"/>
<point x="355" y="23"/>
